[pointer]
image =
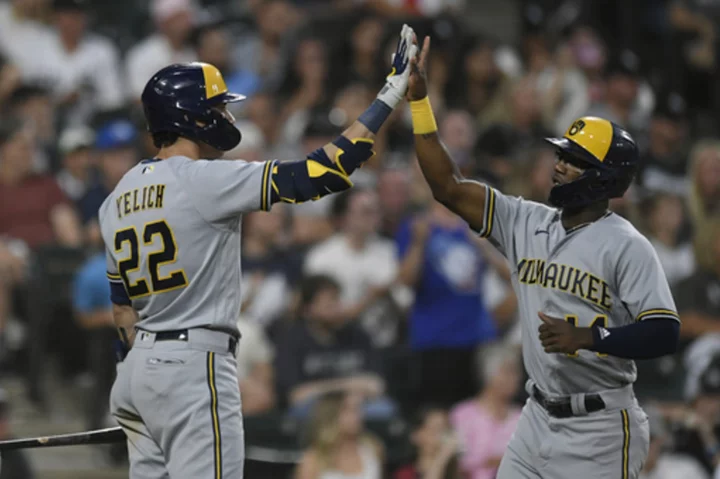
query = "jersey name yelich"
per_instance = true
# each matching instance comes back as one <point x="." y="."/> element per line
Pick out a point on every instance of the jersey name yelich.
<point x="140" y="199"/>
<point x="585" y="285"/>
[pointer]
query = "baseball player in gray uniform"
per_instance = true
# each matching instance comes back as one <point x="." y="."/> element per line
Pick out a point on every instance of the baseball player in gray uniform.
<point x="172" y="232"/>
<point x="592" y="296"/>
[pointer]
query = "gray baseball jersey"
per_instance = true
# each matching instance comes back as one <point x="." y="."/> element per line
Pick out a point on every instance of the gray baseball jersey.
<point x="172" y="235"/>
<point x="604" y="273"/>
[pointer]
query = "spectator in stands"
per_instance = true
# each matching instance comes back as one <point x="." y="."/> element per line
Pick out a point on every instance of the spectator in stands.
<point x="363" y="263"/>
<point x="589" y="53"/>
<point x="263" y="111"/>
<point x="480" y="87"/>
<point x="484" y="424"/>
<point x="87" y="67"/>
<point x="364" y="50"/>
<point x="339" y="446"/>
<point x="255" y="368"/>
<point x="443" y="262"/>
<point x="697" y="297"/>
<point x="75" y="147"/>
<point x="212" y="44"/>
<point x="322" y="352"/>
<point x="531" y="177"/>
<point x="261" y="52"/>
<point x="521" y="130"/>
<point x="33" y="208"/>
<point x="33" y="105"/>
<point x="270" y="268"/>
<point x="664" y="162"/>
<point x="622" y="78"/>
<point x="664" y="214"/>
<point x="393" y="190"/>
<point x="459" y="136"/>
<point x="704" y="199"/>
<point x="23" y="35"/>
<point x="306" y="87"/>
<point x="436" y="448"/>
<point x="170" y="44"/>
<point x="562" y="86"/>
<point x="661" y="462"/>
<point x="93" y="311"/>
<point x="116" y="144"/>
<point x="15" y="463"/>
<point x="699" y="434"/>
<point x="9" y="79"/>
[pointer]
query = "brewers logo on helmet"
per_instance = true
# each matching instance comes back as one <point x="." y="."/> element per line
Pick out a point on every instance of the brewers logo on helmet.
<point x="608" y="155"/>
<point x="184" y="99"/>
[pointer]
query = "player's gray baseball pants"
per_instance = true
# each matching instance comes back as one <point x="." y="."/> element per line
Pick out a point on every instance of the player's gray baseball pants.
<point x="179" y="404"/>
<point x="608" y="444"/>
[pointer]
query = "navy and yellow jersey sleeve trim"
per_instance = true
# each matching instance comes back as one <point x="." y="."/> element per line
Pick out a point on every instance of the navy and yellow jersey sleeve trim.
<point x="657" y="314"/>
<point x="265" y="190"/>
<point x="114" y="277"/>
<point x="489" y="217"/>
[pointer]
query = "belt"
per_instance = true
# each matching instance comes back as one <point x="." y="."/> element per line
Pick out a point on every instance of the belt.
<point x="183" y="335"/>
<point x="562" y="407"/>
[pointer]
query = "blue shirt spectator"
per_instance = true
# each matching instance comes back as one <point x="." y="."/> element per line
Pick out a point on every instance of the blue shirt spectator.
<point x="91" y="290"/>
<point x="449" y="310"/>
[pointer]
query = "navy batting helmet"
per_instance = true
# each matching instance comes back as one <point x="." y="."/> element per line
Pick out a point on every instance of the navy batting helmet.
<point x="610" y="158"/>
<point x="183" y="99"/>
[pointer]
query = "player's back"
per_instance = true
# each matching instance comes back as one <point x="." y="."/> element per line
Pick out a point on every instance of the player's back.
<point x="177" y="255"/>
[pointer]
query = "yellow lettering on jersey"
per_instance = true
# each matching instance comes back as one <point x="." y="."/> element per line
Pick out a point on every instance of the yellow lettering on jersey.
<point x="551" y="276"/>
<point x="159" y="196"/>
<point x="126" y="202"/>
<point x="133" y="201"/>
<point x="136" y="205"/>
<point x="568" y="279"/>
<point x="578" y="283"/>
<point x="564" y="277"/>
<point x="151" y="195"/>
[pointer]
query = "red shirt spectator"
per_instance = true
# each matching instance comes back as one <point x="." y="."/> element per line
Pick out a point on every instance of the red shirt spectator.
<point x="33" y="208"/>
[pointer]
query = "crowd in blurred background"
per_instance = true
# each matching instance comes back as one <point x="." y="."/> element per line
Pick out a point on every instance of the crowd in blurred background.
<point x="379" y="334"/>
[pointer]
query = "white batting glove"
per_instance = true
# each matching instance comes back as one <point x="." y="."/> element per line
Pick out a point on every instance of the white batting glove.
<point x="397" y="81"/>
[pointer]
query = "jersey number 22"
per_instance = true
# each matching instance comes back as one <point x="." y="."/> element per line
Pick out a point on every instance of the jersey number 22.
<point x="166" y="255"/>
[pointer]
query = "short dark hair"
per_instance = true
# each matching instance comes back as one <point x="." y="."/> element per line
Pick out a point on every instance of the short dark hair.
<point x="312" y="285"/>
<point x="164" y="138"/>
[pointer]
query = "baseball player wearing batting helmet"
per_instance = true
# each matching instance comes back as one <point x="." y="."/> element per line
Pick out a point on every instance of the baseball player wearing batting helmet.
<point x="172" y="233"/>
<point x="592" y="296"/>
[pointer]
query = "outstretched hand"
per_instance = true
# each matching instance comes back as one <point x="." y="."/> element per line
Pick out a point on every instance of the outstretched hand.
<point x="417" y="83"/>
<point x="396" y="83"/>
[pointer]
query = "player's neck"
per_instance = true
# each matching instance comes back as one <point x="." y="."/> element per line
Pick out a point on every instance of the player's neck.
<point x="572" y="218"/>
<point x="182" y="147"/>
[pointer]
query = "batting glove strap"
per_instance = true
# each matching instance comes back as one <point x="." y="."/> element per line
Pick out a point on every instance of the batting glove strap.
<point x="397" y="82"/>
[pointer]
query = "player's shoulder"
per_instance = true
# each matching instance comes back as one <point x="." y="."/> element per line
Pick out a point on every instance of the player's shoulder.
<point x="530" y="207"/>
<point x="625" y="236"/>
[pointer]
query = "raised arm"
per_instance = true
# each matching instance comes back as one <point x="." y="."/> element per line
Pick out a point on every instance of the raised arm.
<point x="464" y="197"/>
<point x="327" y="170"/>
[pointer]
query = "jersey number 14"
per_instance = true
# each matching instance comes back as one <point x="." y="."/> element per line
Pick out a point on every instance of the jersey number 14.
<point x="166" y="255"/>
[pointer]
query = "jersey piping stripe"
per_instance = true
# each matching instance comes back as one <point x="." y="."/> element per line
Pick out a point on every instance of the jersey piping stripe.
<point x="264" y="198"/>
<point x="217" y="440"/>
<point x="657" y="313"/>
<point x="113" y="275"/>
<point x="626" y="444"/>
<point x="489" y="213"/>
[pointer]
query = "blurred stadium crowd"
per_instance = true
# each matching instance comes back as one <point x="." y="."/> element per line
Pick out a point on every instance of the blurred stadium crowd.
<point x="379" y="335"/>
